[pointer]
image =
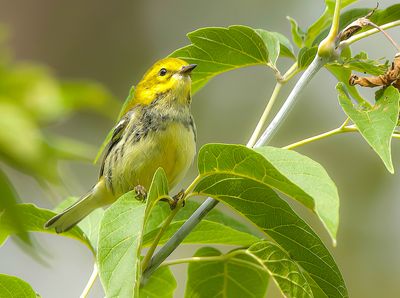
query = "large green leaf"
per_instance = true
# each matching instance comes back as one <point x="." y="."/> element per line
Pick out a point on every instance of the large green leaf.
<point x="241" y="178"/>
<point x="288" y="172"/>
<point x="120" y="239"/>
<point x="161" y="284"/>
<point x="312" y="178"/>
<point x="215" y="228"/>
<point x="14" y="287"/>
<point x="376" y="124"/>
<point x="217" y="50"/>
<point x="119" y="246"/>
<point x="231" y="276"/>
<point x="33" y="220"/>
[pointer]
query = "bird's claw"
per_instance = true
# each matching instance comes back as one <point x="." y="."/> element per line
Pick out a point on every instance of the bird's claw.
<point x="141" y="192"/>
<point x="177" y="198"/>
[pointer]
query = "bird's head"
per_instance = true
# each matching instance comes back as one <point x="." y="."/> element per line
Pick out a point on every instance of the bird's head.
<point x="169" y="78"/>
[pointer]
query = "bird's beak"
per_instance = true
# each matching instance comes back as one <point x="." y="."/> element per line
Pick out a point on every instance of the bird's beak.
<point x="187" y="69"/>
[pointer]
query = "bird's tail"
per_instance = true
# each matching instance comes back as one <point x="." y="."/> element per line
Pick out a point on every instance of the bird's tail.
<point x="74" y="214"/>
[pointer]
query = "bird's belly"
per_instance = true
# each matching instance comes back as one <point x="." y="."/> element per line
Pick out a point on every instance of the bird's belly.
<point x="172" y="148"/>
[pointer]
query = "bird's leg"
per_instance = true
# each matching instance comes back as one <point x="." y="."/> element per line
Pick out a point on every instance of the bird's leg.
<point x="176" y="199"/>
<point x="141" y="192"/>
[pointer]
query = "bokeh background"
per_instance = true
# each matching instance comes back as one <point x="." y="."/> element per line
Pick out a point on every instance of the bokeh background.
<point x="114" y="42"/>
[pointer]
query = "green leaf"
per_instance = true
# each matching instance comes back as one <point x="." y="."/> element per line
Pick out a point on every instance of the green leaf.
<point x="292" y="174"/>
<point x="119" y="246"/>
<point x="277" y="45"/>
<point x="286" y="273"/>
<point x="34" y="219"/>
<point x="312" y="178"/>
<point x="120" y="240"/>
<point x="215" y="228"/>
<point x="217" y="50"/>
<point x="362" y="63"/>
<point x="272" y="44"/>
<point x="232" y="276"/>
<point x="161" y="284"/>
<point x="128" y="104"/>
<point x="14" y="287"/>
<point x="306" y="56"/>
<point x="286" y="48"/>
<point x="298" y="35"/>
<point x="376" y="124"/>
<point x="241" y="178"/>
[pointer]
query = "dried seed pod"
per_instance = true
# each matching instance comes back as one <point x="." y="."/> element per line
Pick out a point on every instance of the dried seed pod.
<point x="356" y="26"/>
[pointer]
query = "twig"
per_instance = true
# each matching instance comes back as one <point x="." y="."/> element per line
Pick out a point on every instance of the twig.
<point x="91" y="281"/>
<point x="293" y="70"/>
<point x="339" y="130"/>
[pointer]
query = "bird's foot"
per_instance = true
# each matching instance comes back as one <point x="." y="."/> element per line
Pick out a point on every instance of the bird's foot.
<point x="141" y="193"/>
<point x="176" y="199"/>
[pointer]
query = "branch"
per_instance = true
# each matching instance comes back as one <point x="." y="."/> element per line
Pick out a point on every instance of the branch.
<point x="306" y="77"/>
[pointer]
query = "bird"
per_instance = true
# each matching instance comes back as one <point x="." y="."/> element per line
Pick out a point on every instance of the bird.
<point x="157" y="130"/>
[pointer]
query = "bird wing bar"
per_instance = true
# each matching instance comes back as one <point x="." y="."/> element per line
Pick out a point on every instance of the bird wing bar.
<point x="116" y="137"/>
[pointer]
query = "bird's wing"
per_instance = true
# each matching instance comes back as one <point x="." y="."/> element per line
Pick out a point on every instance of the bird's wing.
<point x="116" y="136"/>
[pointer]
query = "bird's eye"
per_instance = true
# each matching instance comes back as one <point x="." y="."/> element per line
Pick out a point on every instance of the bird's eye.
<point x="163" y="72"/>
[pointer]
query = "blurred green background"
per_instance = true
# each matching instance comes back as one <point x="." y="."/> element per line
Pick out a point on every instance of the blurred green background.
<point x="114" y="43"/>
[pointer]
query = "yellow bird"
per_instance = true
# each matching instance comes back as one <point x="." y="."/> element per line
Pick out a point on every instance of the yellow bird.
<point x="157" y="131"/>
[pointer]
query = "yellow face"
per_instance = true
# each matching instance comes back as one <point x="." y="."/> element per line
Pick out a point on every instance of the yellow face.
<point x="169" y="75"/>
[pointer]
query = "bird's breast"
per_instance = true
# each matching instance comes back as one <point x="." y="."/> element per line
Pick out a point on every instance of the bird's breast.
<point x="169" y="144"/>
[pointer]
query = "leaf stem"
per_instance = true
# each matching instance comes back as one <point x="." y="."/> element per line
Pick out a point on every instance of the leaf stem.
<point x="339" y="130"/>
<point x="264" y="116"/>
<point x="367" y="33"/>
<point x="157" y="239"/>
<point x="91" y="281"/>
<point x="386" y="35"/>
<point x="230" y="256"/>
<point x="178" y="237"/>
<point x="292" y="71"/>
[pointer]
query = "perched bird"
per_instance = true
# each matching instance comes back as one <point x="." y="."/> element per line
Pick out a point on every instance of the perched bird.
<point x="157" y="131"/>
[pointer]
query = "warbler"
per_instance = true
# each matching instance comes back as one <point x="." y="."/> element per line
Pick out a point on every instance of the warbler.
<point x="158" y="130"/>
